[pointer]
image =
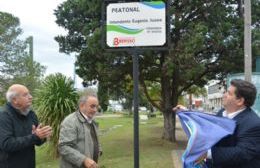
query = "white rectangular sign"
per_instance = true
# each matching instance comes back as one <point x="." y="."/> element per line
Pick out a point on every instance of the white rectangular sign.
<point x="136" y="24"/>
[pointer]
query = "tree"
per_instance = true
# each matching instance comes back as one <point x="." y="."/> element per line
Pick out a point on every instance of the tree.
<point x="16" y="64"/>
<point x="103" y="97"/>
<point x="206" y="43"/>
<point x="54" y="100"/>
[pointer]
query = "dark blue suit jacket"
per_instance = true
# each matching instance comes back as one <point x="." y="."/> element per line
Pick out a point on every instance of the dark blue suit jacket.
<point x="242" y="149"/>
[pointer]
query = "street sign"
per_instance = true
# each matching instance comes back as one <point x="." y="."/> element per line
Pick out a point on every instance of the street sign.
<point x="136" y="24"/>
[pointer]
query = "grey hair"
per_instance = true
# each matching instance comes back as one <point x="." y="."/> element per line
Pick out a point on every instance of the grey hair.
<point x="85" y="97"/>
<point x="10" y="95"/>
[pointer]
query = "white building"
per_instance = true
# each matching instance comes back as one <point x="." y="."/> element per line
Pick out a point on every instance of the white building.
<point x="114" y="106"/>
<point x="215" y="94"/>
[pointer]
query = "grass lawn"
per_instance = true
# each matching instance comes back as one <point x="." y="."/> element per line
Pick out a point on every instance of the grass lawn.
<point x="117" y="143"/>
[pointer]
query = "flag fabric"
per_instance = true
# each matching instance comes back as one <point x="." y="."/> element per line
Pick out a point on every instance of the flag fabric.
<point x="203" y="131"/>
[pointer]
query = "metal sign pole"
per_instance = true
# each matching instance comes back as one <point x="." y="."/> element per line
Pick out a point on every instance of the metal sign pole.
<point x="136" y="105"/>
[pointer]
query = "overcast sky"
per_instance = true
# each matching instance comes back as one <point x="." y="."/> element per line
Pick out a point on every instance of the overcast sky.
<point x="37" y="20"/>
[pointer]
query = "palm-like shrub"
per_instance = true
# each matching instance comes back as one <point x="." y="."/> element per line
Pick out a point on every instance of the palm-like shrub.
<point x="54" y="100"/>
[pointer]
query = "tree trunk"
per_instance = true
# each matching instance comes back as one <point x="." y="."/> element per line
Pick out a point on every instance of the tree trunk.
<point x="190" y="101"/>
<point x="169" y="126"/>
<point x="167" y="104"/>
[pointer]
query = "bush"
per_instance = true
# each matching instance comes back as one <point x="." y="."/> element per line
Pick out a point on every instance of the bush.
<point x="54" y="100"/>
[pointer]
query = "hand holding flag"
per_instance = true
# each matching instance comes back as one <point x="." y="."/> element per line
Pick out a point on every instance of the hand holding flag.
<point x="204" y="131"/>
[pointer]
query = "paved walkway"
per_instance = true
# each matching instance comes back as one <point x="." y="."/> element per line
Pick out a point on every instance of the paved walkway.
<point x="176" y="158"/>
<point x="100" y="115"/>
<point x="179" y="145"/>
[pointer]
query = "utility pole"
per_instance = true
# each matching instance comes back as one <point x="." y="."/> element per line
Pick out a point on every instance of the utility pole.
<point x="247" y="41"/>
<point x="29" y="41"/>
<point x="74" y="71"/>
<point x="31" y="72"/>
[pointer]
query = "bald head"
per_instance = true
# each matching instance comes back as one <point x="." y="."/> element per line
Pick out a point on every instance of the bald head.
<point x="14" y="91"/>
<point x="19" y="96"/>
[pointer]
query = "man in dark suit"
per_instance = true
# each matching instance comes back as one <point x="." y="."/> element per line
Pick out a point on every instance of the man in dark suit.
<point x="242" y="149"/>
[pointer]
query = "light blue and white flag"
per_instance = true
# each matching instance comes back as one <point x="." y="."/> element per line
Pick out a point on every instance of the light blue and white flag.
<point x="203" y="130"/>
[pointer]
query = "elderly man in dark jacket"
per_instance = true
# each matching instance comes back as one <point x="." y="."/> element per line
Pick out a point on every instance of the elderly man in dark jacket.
<point x="20" y="130"/>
